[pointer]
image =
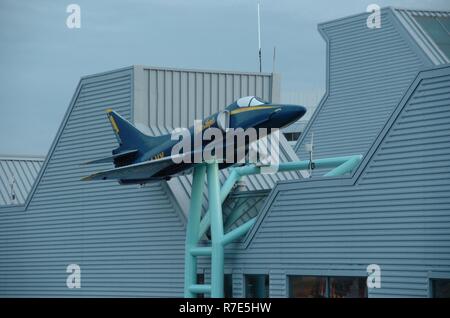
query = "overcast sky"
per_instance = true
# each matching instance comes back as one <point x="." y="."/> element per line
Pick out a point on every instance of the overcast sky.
<point x="41" y="60"/>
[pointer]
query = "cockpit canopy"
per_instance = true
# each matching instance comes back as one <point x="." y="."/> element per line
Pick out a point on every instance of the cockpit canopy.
<point x="250" y="101"/>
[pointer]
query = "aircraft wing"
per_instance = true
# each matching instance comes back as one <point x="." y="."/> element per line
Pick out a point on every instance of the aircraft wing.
<point x="142" y="170"/>
<point x="111" y="158"/>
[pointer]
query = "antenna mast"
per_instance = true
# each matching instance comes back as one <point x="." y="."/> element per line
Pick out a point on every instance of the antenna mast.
<point x="259" y="40"/>
<point x="310" y="149"/>
<point x="273" y="60"/>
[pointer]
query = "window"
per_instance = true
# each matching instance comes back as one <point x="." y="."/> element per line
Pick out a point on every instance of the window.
<point x="292" y="136"/>
<point x="256" y="286"/>
<point x="228" y="285"/>
<point x="327" y="287"/>
<point x="440" y="288"/>
<point x="347" y="287"/>
<point x="438" y="29"/>
<point x="307" y="287"/>
<point x="249" y="101"/>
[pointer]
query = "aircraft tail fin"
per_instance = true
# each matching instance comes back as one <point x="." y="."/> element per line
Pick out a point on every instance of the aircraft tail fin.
<point x="129" y="137"/>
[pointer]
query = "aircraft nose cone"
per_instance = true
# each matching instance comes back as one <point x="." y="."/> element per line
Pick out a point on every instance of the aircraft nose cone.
<point x="287" y="114"/>
<point x="295" y="111"/>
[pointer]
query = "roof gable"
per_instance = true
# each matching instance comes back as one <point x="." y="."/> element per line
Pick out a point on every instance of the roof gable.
<point x="368" y="72"/>
<point x="315" y="185"/>
<point x="17" y="176"/>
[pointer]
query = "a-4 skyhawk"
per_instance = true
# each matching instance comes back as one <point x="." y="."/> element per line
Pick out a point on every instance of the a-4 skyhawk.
<point x="141" y="158"/>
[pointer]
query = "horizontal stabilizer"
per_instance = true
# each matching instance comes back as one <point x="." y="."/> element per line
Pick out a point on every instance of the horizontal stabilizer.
<point x="111" y="158"/>
<point x="142" y="170"/>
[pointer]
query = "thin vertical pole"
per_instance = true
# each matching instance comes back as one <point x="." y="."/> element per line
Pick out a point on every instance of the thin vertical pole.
<point x="193" y="225"/>
<point x="215" y="209"/>
<point x="273" y="58"/>
<point x="259" y="40"/>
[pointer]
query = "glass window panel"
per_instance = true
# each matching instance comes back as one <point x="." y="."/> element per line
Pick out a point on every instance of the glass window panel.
<point x="292" y="136"/>
<point x="256" y="102"/>
<point x="437" y="30"/>
<point x="228" y="286"/>
<point x="307" y="287"/>
<point x="244" y="101"/>
<point x="445" y="21"/>
<point x="249" y="101"/>
<point x="441" y="288"/>
<point x="257" y="286"/>
<point x="348" y="287"/>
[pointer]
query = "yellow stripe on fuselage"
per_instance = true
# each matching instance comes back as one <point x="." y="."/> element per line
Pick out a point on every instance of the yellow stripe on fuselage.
<point x="114" y="124"/>
<point x="250" y="108"/>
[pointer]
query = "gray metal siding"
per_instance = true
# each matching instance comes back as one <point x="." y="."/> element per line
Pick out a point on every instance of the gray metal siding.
<point x="23" y="170"/>
<point x="394" y="212"/>
<point x="128" y="241"/>
<point x="238" y="284"/>
<point x="369" y="70"/>
<point x="170" y="98"/>
<point x="277" y="284"/>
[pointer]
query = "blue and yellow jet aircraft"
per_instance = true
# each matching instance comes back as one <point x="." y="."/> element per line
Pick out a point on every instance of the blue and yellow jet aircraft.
<point x="141" y="158"/>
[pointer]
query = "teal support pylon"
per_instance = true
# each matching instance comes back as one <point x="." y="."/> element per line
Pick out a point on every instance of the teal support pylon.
<point x="347" y="167"/>
<point x="341" y="166"/>
<point x="224" y="191"/>
<point x="236" y="214"/>
<point x="193" y="224"/>
<point x="238" y="232"/>
<point x="216" y="250"/>
<point x="215" y="210"/>
<point x="213" y="218"/>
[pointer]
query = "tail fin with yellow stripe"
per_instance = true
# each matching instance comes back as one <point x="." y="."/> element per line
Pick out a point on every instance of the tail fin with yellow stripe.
<point x="129" y="137"/>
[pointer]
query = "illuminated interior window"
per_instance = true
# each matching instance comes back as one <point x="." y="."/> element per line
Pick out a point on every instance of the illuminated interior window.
<point x="307" y="287"/>
<point x="327" y="287"/>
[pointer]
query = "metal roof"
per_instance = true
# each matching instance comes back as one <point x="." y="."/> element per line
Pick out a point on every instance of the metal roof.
<point x="362" y="91"/>
<point x="421" y="36"/>
<point x="17" y="175"/>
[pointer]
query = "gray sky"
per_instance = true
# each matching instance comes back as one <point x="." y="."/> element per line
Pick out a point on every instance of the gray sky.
<point x="41" y="60"/>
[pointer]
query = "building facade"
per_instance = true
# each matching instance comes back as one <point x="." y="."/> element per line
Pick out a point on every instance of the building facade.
<point x="387" y="98"/>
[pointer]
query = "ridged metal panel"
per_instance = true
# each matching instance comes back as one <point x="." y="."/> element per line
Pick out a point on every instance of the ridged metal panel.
<point x="238" y="284"/>
<point x="277" y="284"/>
<point x="128" y="241"/>
<point x="250" y="201"/>
<point x="394" y="212"/>
<point x="21" y="172"/>
<point x="169" y="98"/>
<point x="165" y="99"/>
<point x="368" y="71"/>
<point x="423" y="40"/>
